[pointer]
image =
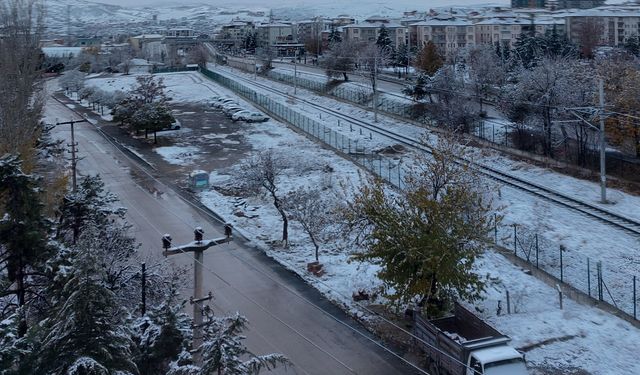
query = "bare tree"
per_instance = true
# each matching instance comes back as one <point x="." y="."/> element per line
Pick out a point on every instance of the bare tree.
<point x="545" y="92"/>
<point x="314" y="211"/>
<point x="340" y="60"/>
<point x="589" y="36"/>
<point x="452" y="108"/>
<point x="198" y="55"/>
<point x="21" y="98"/>
<point x="485" y="71"/>
<point x="72" y="81"/>
<point x="261" y="173"/>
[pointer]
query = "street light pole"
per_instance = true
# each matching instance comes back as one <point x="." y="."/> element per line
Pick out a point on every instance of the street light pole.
<point x="603" y="156"/>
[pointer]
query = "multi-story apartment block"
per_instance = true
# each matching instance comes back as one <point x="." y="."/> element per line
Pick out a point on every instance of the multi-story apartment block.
<point x="506" y="30"/>
<point x="446" y="32"/>
<point x="235" y="33"/>
<point x="557" y="4"/>
<point x="312" y="29"/>
<point x="368" y="32"/>
<point x="271" y="34"/>
<point x="613" y="25"/>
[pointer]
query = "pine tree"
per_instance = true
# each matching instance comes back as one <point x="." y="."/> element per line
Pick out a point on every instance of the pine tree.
<point x="85" y="333"/>
<point x="334" y="36"/>
<point x="383" y="38"/>
<point x="160" y="336"/>
<point x="23" y="231"/>
<point x="223" y="349"/>
<point x="419" y="90"/>
<point x="90" y="204"/>
<point x="632" y="45"/>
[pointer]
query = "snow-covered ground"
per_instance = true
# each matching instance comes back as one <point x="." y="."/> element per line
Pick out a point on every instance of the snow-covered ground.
<point x="586" y="337"/>
<point x="583" y="237"/>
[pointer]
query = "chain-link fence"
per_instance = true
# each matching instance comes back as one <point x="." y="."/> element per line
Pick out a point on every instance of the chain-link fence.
<point x="599" y="280"/>
<point x="499" y="133"/>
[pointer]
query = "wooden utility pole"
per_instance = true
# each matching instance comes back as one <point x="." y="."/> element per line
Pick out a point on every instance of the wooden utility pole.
<point x="197" y="246"/>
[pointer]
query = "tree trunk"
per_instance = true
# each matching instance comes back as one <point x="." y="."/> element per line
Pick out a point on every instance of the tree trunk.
<point x="346" y="78"/>
<point x="155" y="138"/>
<point x="285" y="221"/>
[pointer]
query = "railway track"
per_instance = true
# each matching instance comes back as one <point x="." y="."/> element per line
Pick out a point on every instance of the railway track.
<point x="611" y="218"/>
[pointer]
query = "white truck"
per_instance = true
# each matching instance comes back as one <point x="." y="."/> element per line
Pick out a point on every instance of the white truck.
<point x="463" y="344"/>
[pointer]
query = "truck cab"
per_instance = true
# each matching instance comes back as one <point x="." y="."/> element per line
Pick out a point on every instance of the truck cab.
<point x="499" y="360"/>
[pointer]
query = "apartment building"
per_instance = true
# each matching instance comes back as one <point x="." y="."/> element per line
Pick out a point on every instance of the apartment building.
<point x="506" y="30"/>
<point x="448" y="33"/>
<point x="369" y="31"/>
<point x="312" y="29"/>
<point x="613" y="25"/>
<point x="235" y="32"/>
<point x="271" y="34"/>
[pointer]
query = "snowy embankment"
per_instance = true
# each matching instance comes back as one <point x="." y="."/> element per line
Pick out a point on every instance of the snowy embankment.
<point x="578" y="336"/>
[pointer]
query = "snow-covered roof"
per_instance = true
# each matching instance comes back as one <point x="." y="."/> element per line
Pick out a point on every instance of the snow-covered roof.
<point x="61" y="51"/>
<point x="149" y="36"/>
<point x="274" y="25"/>
<point x="606" y="12"/>
<point x="443" y="22"/>
<point x="376" y="25"/>
<point x="521" y="21"/>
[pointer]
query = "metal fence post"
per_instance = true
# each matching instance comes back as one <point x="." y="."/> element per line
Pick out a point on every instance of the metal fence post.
<point x="599" y="267"/>
<point x="508" y="303"/>
<point x="589" y="277"/>
<point x="537" y="250"/>
<point x="635" y="316"/>
<point x="561" y="270"/>
<point x="515" y="240"/>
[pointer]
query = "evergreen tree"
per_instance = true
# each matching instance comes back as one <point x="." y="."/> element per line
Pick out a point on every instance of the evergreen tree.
<point x="85" y="333"/>
<point x="419" y="90"/>
<point x="161" y="335"/>
<point x="90" y="204"/>
<point x="334" y="36"/>
<point x="632" y="45"/>
<point x="23" y="232"/>
<point x="223" y="349"/>
<point x="383" y="38"/>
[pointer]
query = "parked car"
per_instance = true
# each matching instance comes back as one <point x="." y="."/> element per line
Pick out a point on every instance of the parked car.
<point x="235" y="115"/>
<point x="249" y="117"/>
<point x="230" y="110"/>
<point x="222" y="102"/>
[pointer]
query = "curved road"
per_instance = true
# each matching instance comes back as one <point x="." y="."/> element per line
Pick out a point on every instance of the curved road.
<point x="285" y="314"/>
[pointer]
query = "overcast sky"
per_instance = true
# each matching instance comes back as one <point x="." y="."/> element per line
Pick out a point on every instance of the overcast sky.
<point x="417" y="4"/>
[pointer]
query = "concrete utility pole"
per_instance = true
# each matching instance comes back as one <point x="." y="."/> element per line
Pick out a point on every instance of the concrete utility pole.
<point x="375" y="89"/>
<point x="197" y="246"/>
<point x="295" y="74"/>
<point x="603" y="155"/>
<point x="74" y="150"/>
<point x="255" y="67"/>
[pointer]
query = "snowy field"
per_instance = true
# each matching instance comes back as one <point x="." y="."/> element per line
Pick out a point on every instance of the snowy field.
<point x="580" y="336"/>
